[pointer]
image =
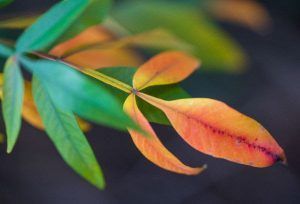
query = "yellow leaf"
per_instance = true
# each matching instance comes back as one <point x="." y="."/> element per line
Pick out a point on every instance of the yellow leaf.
<point x="150" y="146"/>
<point x="165" y="68"/>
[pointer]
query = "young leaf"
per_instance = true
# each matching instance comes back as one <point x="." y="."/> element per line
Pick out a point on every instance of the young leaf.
<point x="166" y="68"/>
<point x="32" y="116"/>
<point x="5" y="51"/>
<point x="214" y="128"/>
<point x="150" y="145"/>
<point x="80" y="94"/>
<point x="67" y="17"/>
<point x="63" y="130"/>
<point x="13" y="91"/>
<point x="187" y="23"/>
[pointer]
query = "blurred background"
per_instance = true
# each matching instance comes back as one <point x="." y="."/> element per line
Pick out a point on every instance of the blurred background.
<point x="267" y="89"/>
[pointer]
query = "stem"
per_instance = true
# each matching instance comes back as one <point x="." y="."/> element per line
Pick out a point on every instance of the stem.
<point x="90" y="72"/>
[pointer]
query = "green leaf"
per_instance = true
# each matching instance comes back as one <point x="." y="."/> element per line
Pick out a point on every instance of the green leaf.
<point x="13" y="92"/>
<point x="68" y="17"/>
<point x="5" y="51"/>
<point x="86" y="97"/>
<point x="169" y="92"/>
<point x="63" y="130"/>
<point x="5" y="2"/>
<point x="212" y="45"/>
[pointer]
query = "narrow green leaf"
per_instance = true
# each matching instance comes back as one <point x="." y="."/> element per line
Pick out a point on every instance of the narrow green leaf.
<point x="68" y="17"/>
<point x="212" y="46"/>
<point x="5" y="51"/>
<point x="13" y="91"/>
<point x="80" y="94"/>
<point x="63" y="130"/>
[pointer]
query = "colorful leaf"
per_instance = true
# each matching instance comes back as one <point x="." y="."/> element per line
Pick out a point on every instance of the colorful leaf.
<point x="166" y="68"/>
<point x="150" y="145"/>
<point x="13" y="91"/>
<point x="63" y="130"/>
<point x="214" y="128"/>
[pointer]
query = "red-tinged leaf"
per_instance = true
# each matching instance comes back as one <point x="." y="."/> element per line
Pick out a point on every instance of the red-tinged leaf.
<point x="214" y="128"/>
<point x="150" y="146"/>
<point x="166" y="68"/>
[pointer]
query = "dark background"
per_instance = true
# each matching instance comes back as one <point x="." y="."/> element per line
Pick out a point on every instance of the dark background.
<point x="269" y="91"/>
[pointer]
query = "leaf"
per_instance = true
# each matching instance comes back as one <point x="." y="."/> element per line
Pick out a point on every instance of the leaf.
<point x="214" y="128"/>
<point x="150" y="146"/>
<point x="100" y="58"/>
<point x="18" y="22"/>
<point x="79" y="94"/>
<point x="32" y="116"/>
<point x="166" y="68"/>
<point x="168" y="92"/>
<point x="13" y="91"/>
<point x="247" y="13"/>
<point x="5" y="51"/>
<point x="76" y="16"/>
<point x="90" y="36"/>
<point x="5" y="2"/>
<point x="63" y="130"/>
<point x="213" y="46"/>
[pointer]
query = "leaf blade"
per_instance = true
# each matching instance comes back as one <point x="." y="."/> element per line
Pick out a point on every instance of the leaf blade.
<point x="13" y="91"/>
<point x="165" y="68"/>
<point x="67" y="137"/>
<point x="214" y="128"/>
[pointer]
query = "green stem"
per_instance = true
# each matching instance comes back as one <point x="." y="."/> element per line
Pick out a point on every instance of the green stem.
<point x="90" y="72"/>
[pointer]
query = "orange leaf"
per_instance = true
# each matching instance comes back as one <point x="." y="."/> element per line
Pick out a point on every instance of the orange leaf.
<point x="31" y="115"/>
<point x="90" y="36"/>
<point x="150" y="146"/>
<point x="99" y="58"/>
<point x="166" y="68"/>
<point x="214" y="128"/>
<point x="247" y="13"/>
